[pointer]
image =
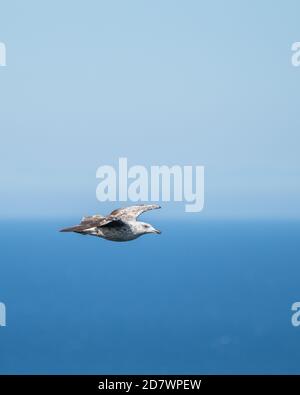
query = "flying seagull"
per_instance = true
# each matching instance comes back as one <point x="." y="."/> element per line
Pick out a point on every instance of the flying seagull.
<point x="119" y="225"/>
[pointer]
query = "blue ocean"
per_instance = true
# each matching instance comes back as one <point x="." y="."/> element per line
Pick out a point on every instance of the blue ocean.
<point x="203" y="297"/>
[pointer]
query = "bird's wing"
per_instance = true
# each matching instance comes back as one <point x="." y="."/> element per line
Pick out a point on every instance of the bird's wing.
<point x="91" y="218"/>
<point x="110" y="220"/>
<point x="94" y="223"/>
<point x="97" y="221"/>
<point x="131" y="213"/>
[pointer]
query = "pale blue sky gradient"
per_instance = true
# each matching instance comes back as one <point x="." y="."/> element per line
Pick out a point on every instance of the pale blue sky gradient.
<point x="160" y="82"/>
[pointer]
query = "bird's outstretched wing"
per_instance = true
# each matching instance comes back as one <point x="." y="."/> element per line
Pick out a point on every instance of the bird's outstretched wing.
<point x="89" y="223"/>
<point x="131" y="213"/>
<point x="91" y="219"/>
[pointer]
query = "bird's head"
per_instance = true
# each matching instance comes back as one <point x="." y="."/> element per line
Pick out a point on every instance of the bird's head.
<point x="144" y="228"/>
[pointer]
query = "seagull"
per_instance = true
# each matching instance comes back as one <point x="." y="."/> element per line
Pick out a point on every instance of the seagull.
<point x="119" y="225"/>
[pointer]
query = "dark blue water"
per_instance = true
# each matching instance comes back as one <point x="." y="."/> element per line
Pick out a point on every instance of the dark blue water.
<point x="206" y="297"/>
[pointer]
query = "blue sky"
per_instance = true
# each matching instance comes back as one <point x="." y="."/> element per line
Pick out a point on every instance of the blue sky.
<point x="160" y="82"/>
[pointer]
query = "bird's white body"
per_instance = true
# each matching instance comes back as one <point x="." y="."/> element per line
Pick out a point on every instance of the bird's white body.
<point x="129" y="231"/>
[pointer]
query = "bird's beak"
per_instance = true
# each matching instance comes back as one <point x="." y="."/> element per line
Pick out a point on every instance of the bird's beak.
<point x="157" y="231"/>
